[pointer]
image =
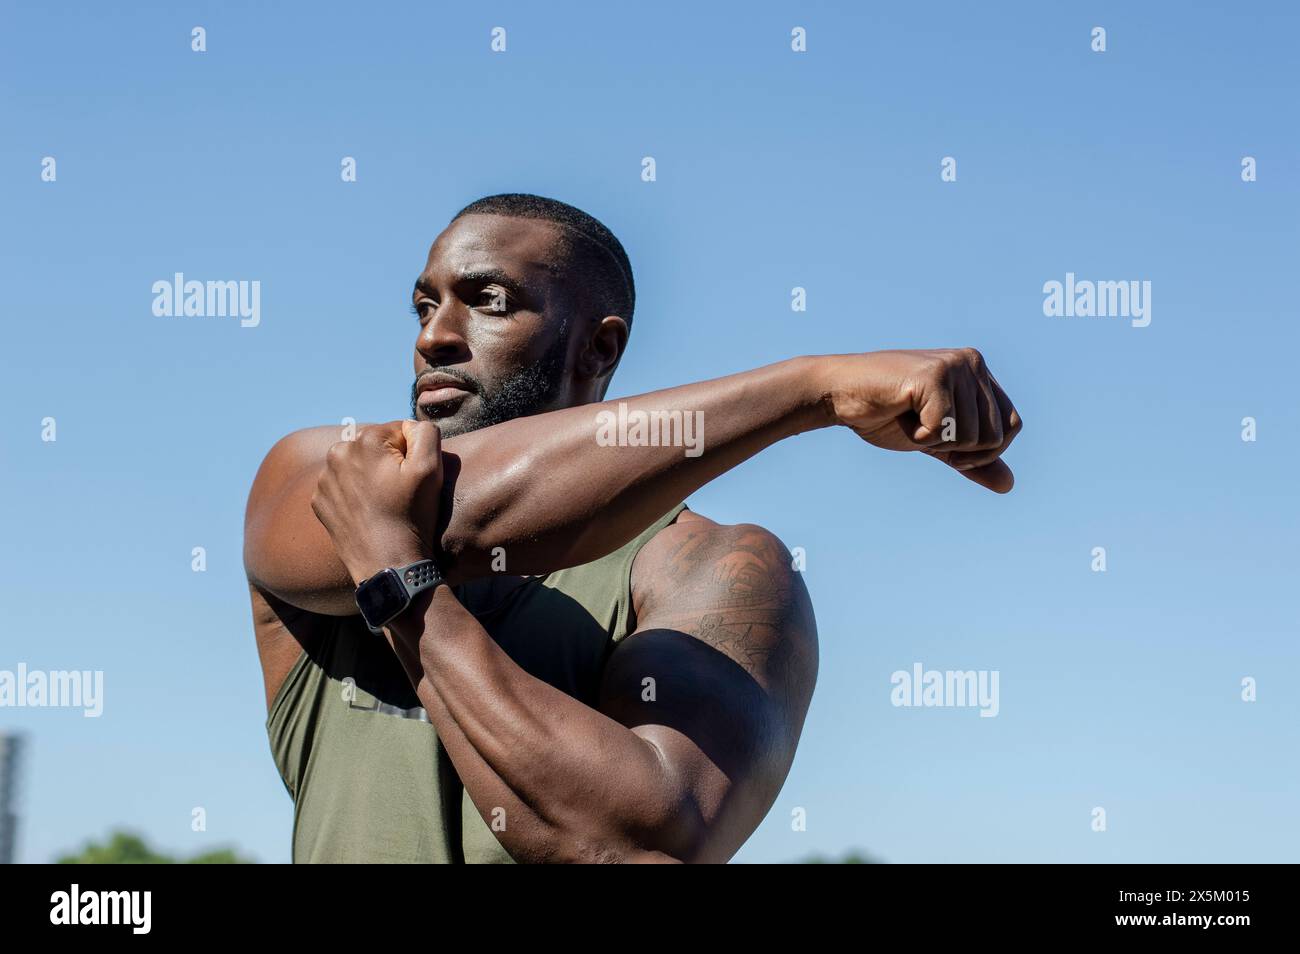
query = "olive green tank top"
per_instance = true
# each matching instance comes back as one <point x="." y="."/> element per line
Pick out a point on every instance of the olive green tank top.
<point x="370" y="780"/>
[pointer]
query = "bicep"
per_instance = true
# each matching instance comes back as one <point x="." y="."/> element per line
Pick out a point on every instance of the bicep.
<point x="287" y="551"/>
<point x="718" y="679"/>
<point x="708" y="717"/>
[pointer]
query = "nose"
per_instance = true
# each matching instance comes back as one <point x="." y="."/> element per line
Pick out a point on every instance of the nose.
<point x="442" y="339"/>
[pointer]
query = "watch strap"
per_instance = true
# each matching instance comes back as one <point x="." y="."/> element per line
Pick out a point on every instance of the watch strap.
<point x="419" y="576"/>
<point x="414" y="579"/>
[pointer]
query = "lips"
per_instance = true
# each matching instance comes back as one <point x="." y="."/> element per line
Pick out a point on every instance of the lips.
<point x="435" y="391"/>
<point x="441" y="396"/>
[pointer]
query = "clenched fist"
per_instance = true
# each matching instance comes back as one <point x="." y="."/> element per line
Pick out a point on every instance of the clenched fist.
<point x="378" y="496"/>
<point x="944" y="403"/>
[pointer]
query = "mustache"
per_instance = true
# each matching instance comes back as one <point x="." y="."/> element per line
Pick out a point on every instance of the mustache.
<point x="471" y="382"/>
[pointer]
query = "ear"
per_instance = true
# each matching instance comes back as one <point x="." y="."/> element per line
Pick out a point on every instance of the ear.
<point x="603" y="348"/>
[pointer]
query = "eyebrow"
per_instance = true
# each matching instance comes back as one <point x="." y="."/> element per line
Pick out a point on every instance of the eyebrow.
<point x="422" y="284"/>
<point x="484" y="275"/>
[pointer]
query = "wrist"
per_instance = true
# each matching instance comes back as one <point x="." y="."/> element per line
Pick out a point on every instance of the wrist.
<point x="411" y="620"/>
<point x="430" y="623"/>
<point x="859" y="390"/>
<point x="816" y="376"/>
<point x="364" y="567"/>
<point x="392" y="591"/>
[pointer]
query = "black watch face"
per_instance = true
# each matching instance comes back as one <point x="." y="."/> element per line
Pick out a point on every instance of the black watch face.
<point x="380" y="597"/>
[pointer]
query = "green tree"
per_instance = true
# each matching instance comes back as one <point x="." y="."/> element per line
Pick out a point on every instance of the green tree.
<point x="126" y="848"/>
<point x="852" y="858"/>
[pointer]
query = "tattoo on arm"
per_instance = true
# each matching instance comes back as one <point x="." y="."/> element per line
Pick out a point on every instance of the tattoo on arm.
<point x="733" y="589"/>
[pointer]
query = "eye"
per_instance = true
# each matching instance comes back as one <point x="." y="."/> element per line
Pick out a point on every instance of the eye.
<point x="493" y="299"/>
<point x="422" y="309"/>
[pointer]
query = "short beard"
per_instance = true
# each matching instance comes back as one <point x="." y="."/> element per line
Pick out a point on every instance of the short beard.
<point x="527" y="391"/>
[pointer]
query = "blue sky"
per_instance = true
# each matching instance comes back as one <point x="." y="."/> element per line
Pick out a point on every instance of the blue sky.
<point x="1118" y="690"/>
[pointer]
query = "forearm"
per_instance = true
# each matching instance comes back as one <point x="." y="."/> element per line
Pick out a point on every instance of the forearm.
<point x="540" y="490"/>
<point x="546" y="490"/>
<point x="534" y="759"/>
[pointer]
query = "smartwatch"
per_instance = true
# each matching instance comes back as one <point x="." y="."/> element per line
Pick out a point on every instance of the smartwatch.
<point x="390" y="591"/>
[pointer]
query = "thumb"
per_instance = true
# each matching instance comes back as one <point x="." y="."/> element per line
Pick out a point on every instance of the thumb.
<point x="390" y="434"/>
<point x="932" y="406"/>
<point x="423" y="440"/>
<point x="995" y="476"/>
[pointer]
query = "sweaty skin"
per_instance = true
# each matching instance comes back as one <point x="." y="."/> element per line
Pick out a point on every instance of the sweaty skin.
<point x="718" y="607"/>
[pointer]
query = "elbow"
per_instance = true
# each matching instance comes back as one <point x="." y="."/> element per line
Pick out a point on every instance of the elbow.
<point x="588" y="849"/>
<point x="464" y="548"/>
<point x="671" y="831"/>
<point x="474" y="523"/>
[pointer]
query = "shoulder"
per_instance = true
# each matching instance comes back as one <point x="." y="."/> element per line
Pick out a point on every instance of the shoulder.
<point x="289" y="457"/>
<point x="278" y="503"/>
<point x="697" y="550"/>
<point x="733" y="587"/>
<point x="297" y="448"/>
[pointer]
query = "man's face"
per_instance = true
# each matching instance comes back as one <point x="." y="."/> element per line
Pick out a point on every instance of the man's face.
<point x="495" y="321"/>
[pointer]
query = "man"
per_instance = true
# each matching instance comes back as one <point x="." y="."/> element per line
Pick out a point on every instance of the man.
<point x="586" y="670"/>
